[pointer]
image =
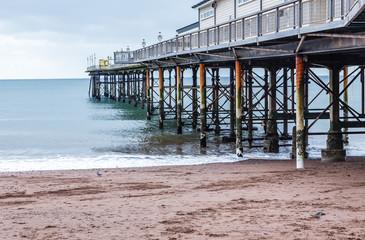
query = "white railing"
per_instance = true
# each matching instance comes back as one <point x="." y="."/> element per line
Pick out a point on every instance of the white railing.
<point x="290" y="15"/>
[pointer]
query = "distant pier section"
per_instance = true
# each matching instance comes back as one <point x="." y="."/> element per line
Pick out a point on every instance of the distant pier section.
<point x="271" y="50"/>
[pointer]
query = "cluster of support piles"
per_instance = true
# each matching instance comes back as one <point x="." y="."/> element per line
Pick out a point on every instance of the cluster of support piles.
<point x="272" y="94"/>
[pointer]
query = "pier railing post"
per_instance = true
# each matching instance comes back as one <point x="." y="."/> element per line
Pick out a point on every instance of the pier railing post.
<point x="239" y="147"/>
<point x="179" y="99"/>
<point x="271" y="142"/>
<point x="148" y="83"/>
<point x="334" y="151"/>
<point x="161" y="101"/>
<point x="300" y="130"/>
<point x="203" y="111"/>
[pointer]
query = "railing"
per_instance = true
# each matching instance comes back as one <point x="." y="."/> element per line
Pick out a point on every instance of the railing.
<point x="291" y="15"/>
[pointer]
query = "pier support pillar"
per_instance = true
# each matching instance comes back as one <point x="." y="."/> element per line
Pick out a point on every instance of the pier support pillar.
<point x="346" y="100"/>
<point x="239" y="147"/>
<point x="143" y="94"/>
<point x="232" y="134"/>
<point x="300" y="129"/>
<point x="161" y="101"/>
<point x="195" y="97"/>
<point x="136" y="89"/>
<point x="203" y="111"/>
<point x="98" y="90"/>
<point x="119" y="87"/>
<point x="93" y="84"/>
<point x="152" y="81"/>
<point x="217" y="129"/>
<point x="179" y="99"/>
<point x="129" y="88"/>
<point x="271" y="142"/>
<point x="334" y="151"/>
<point x="148" y="88"/>
<point x="124" y="88"/>
<point x="106" y="85"/>
<point x="249" y="106"/>
<point x="285" y="102"/>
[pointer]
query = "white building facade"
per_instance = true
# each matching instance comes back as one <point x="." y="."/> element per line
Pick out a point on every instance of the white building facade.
<point x="216" y="12"/>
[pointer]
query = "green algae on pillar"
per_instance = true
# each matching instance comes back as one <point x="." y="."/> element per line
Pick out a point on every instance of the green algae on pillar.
<point x="299" y="129"/>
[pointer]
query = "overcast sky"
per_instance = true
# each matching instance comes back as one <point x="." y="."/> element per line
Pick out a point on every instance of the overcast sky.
<point x="53" y="38"/>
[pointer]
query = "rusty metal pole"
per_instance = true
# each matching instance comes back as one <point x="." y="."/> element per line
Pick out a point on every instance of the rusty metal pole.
<point x="346" y="100"/>
<point x="179" y="99"/>
<point x="239" y="86"/>
<point x="148" y="94"/>
<point x="271" y="142"/>
<point x="161" y="101"/>
<point x="300" y="130"/>
<point x="203" y="104"/>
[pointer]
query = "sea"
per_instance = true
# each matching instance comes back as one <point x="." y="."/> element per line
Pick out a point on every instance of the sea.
<point x="52" y="124"/>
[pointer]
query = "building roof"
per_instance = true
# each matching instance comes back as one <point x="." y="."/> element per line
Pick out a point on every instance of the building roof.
<point x="200" y="3"/>
<point x="188" y="28"/>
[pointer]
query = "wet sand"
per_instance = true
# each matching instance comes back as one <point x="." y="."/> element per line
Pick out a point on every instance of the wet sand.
<point x="254" y="199"/>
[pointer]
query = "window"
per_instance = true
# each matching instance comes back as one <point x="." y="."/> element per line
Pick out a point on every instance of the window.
<point x="243" y="1"/>
<point x="207" y="14"/>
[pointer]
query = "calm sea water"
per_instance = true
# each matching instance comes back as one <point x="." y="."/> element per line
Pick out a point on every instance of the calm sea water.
<point x="53" y="124"/>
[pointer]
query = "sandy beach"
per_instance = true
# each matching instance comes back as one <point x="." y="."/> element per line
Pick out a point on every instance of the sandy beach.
<point x="254" y="199"/>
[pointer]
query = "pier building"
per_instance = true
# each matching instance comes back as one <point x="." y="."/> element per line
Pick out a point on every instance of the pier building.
<point x="270" y="49"/>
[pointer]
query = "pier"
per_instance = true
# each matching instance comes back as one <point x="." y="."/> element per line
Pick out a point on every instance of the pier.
<point x="271" y="56"/>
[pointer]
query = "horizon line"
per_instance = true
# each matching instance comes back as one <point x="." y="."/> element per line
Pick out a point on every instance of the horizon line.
<point x="68" y="78"/>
